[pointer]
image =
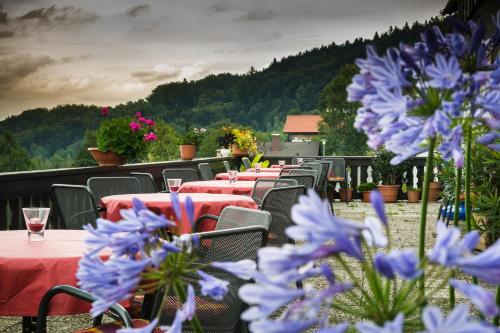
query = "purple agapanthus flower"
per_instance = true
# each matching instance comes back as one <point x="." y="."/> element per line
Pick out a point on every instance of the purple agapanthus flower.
<point x="212" y="286"/>
<point x="483" y="299"/>
<point x="405" y="264"/>
<point x="485" y="265"/>
<point x="244" y="269"/>
<point x="146" y="329"/>
<point x="394" y="326"/>
<point x="444" y="73"/>
<point x="383" y="265"/>
<point x="457" y="321"/>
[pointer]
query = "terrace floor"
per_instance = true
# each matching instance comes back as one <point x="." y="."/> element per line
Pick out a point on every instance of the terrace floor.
<point x="404" y="224"/>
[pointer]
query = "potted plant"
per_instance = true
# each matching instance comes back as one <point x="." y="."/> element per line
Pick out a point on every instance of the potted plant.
<point x="389" y="174"/>
<point x="413" y="194"/>
<point x="225" y="140"/>
<point x="190" y="141"/>
<point x="365" y="189"/>
<point x="255" y="160"/>
<point x="345" y="193"/>
<point x="244" y="142"/>
<point x="122" y="138"/>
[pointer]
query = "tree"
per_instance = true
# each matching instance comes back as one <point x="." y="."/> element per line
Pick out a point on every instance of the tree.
<point x="13" y="157"/>
<point x="166" y="147"/>
<point x="337" y="126"/>
<point x="83" y="158"/>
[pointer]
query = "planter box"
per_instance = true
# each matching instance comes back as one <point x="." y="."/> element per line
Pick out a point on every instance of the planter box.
<point x="106" y="158"/>
<point x="389" y="192"/>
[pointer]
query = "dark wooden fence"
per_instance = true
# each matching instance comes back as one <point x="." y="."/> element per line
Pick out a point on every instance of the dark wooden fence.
<point x="32" y="188"/>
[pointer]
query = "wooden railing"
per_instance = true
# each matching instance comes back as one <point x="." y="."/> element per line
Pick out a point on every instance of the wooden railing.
<point x="32" y="188"/>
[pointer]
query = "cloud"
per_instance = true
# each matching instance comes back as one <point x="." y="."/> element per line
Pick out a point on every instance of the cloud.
<point x="54" y="16"/>
<point x="6" y="34"/>
<point x="137" y="10"/>
<point x="269" y="37"/>
<point x="160" y="72"/>
<point x="69" y="60"/>
<point x="220" y="7"/>
<point x="258" y="15"/>
<point x="15" y="68"/>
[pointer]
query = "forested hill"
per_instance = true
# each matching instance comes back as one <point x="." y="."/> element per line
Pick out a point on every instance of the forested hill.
<point x="260" y="99"/>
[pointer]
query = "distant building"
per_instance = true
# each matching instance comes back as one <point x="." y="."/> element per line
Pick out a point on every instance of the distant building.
<point x="288" y="149"/>
<point x="300" y="128"/>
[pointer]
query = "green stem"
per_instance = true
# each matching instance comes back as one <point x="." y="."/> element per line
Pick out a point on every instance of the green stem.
<point x="468" y="162"/>
<point x="429" y="165"/>
<point x="496" y="320"/>
<point x="458" y="187"/>
<point x="181" y="294"/>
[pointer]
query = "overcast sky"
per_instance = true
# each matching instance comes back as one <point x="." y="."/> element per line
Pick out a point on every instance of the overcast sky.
<point x="110" y="51"/>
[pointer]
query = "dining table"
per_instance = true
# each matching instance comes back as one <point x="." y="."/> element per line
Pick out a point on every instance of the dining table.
<point x="262" y="170"/>
<point x="246" y="175"/>
<point x="28" y="269"/>
<point x="161" y="203"/>
<point x="242" y="187"/>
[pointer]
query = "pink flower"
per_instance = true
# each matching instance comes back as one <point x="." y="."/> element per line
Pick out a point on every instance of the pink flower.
<point x="134" y="126"/>
<point x="104" y="111"/>
<point x="150" y="137"/>
<point x="138" y="114"/>
<point x="141" y="119"/>
<point x="150" y="122"/>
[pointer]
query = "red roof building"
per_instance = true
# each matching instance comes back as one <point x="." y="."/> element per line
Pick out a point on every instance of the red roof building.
<point x="302" y="127"/>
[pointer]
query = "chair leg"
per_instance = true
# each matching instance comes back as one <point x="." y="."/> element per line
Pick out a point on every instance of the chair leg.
<point x="28" y="324"/>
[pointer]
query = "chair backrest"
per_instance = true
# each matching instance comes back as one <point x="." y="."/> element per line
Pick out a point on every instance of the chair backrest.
<point x="325" y="171"/>
<point x="146" y="181"/>
<point x="246" y="162"/>
<point x="226" y="166"/>
<point x="75" y="205"/>
<point x="315" y="166"/>
<point x="218" y="316"/>
<point x="237" y="217"/>
<point x="103" y="186"/>
<point x="186" y="174"/>
<point x="263" y="185"/>
<point x="306" y="180"/>
<point x="338" y="167"/>
<point x="287" y="170"/>
<point x="279" y="201"/>
<point x="206" y="171"/>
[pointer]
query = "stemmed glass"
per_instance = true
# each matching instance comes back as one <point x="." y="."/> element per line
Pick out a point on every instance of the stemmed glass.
<point x="36" y="220"/>
<point x="232" y="175"/>
<point x="281" y="163"/>
<point x="174" y="184"/>
<point x="257" y="167"/>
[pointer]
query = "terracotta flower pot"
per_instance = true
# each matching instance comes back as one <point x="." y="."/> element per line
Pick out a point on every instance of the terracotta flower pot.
<point x="237" y="151"/>
<point x="389" y="192"/>
<point x="434" y="190"/>
<point x="413" y="196"/>
<point x="107" y="158"/>
<point x="345" y="194"/>
<point x="187" y="152"/>
<point x="365" y="196"/>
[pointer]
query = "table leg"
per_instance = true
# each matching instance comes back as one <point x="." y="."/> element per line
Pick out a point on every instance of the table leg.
<point x="29" y="324"/>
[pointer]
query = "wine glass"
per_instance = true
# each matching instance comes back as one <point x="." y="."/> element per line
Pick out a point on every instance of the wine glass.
<point x="232" y="175"/>
<point x="257" y="167"/>
<point x="281" y="163"/>
<point x="174" y="184"/>
<point x="36" y="220"/>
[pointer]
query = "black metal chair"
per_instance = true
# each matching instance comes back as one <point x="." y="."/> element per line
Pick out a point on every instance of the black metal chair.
<point x="214" y="315"/>
<point x="306" y="180"/>
<point x="206" y="171"/>
<point x="323" y="181"/>
<point x="75" y="205"/>
<point x="237" y="217"/>
<point x="219" y="316"/>
<point x="288" y="170"/>
<point x="263" y="185"/>
<point x="146" y="181"/>
<point x="226" y="166"/>
<point x="279" y="201"/>
<point x="246" y="162"/>
<point x="315" y="166"/>
<point x="187" y="175"/>
<point x="103" y="186"/>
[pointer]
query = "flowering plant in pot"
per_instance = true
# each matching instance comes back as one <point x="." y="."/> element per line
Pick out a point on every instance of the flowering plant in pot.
<point x="190" y="141"/>
<point x="365" y="189"/>
<point x="244" y="142"/>
<point x="225" y="140"/>
<point x="122" y="138"/>
<point x="413" y="194"/>
<point x="388" y="173"/>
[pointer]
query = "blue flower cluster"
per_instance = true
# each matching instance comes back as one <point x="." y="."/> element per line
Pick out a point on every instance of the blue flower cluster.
<point x="434" y="89"/>
<point x="324" y="235"/>
<point x="136" y="249"/>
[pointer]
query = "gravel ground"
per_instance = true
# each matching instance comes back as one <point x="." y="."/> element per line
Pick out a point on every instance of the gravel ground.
<point x="403" y="219"/>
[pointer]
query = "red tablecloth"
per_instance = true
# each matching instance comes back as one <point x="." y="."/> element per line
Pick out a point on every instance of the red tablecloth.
<point x="204" y="203"/>
<point x="29" y="269"/>
<point x="263" y="170"/>
<point x="276" y="166"/>
<point x="218" y="187"/>
<point x="249" y="175"/>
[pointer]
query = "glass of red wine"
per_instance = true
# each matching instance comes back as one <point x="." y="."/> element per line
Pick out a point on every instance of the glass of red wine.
<point x="36" y="220"/>
<point x="174" y="184"/>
